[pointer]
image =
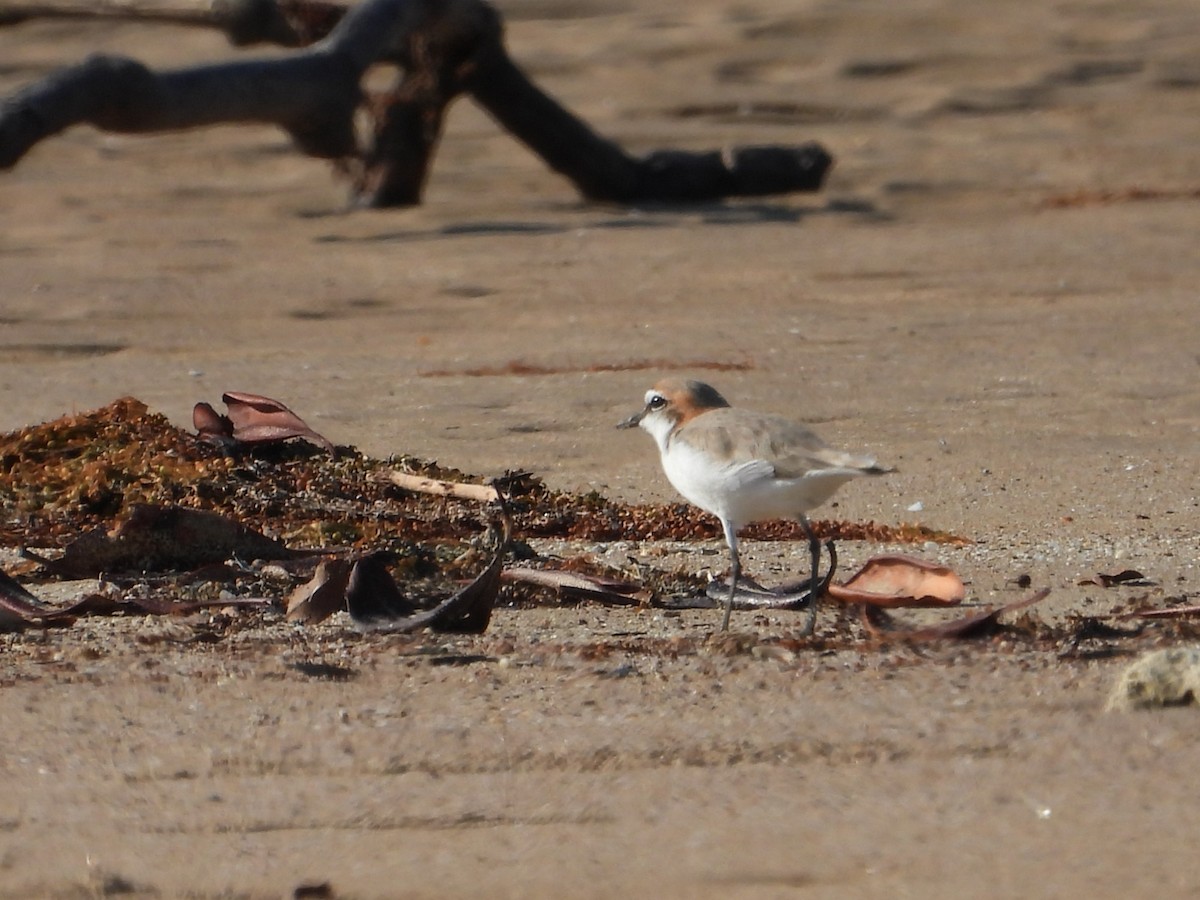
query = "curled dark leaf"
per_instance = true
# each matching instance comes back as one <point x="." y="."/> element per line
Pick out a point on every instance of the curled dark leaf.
<point x="881" y="625"/>
<point x="468" y="611"/>
<point x="18" y="607"/>
<point x="373" y="592"/>
<point x="1126" y="576"/>
<point x="322" y="596"/>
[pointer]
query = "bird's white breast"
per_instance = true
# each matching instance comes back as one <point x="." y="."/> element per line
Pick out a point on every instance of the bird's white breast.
<point x="729" y="490"/>
<point x="746" y="490"/>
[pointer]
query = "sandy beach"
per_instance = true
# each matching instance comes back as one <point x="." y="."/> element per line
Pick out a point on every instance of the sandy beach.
<point x="996" y="292"/>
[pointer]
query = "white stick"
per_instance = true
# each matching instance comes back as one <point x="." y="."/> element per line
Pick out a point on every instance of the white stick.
<point x="484" y="493"/>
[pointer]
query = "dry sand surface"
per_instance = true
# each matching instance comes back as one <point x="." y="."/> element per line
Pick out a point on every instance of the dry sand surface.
<point x="996" y="292"/>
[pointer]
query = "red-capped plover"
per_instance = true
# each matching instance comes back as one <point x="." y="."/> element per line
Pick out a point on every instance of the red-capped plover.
<point x="744" y="466"/>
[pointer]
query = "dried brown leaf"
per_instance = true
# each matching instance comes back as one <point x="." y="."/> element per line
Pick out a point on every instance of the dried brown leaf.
<point x="881" y="625"/>
<point x="1125" y="576"/>
<point x="18" y="607"/>
<point x="372" y="588"/>
<point x="895" y="580"/>
<point x="468" y="611"/>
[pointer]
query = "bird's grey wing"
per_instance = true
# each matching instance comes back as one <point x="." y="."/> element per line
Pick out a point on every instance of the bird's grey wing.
<point x="791" y="448"/>
<point x="738" y="438"/>
<point x="804" y="453"/>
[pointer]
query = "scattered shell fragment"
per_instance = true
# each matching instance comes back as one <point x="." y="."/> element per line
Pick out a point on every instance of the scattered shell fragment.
<point x="1162" y="678"/>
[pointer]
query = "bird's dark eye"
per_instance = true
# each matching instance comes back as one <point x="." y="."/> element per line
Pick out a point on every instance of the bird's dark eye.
<point x="658" y="401"/>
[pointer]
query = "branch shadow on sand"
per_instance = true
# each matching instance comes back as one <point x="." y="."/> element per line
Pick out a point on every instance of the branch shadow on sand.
<point x="656" y="216"/>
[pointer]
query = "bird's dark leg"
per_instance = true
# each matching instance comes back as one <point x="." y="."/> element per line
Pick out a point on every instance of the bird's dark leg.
<point x="735" y="571"/>
<point x="814" y="590"/>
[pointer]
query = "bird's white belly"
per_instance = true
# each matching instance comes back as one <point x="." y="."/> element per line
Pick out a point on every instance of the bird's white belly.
<point x="746" y="492"/>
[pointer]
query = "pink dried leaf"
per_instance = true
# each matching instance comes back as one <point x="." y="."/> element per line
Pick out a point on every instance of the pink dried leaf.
<point x="256" y="420"/>
<point x="895" y="580"/>
<point x="211" y="425"/>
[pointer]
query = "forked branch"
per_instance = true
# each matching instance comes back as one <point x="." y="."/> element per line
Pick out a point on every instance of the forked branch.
<point x="443" y="48"/>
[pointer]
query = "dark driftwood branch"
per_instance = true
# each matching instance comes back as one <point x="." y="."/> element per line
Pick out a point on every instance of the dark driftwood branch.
<point x="312" y="94"/>
<point x="444" y="47"/>
<point x="289" y="23"/>
<point x="603" y="171"/>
